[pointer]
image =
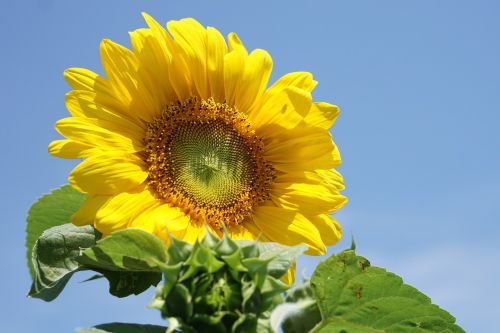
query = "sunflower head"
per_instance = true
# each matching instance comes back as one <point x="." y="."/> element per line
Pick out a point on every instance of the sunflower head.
<point x="204" y="157"/>
<point x="183" y="130"/>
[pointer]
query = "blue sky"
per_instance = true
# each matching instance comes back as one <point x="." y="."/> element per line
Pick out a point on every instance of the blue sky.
<point x="418" y="83"/>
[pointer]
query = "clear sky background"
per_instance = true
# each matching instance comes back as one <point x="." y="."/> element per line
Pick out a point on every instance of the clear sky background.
<point x="418" y="83"/>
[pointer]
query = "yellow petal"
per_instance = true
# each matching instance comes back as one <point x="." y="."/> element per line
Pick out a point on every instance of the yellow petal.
<point x="87" y="212"/>
<point x="121" y="67"/>
<point x="235" y="44"/>
<point x="285" y="103"/>
<point x="281" y="109"/>
<point x="162" y="220"/>
<point x="191" y="37"/>
<point x="121" y="209"/>
<point x="302" y="149"/>
<point x="84" y="104"/>
<point x="322" y="115"/>
<point x="108" y="173"/>
<point x="195" y="231"/>
<point x="330" y="178"/>
<point x="92" y="133"/>
<point x="157" y="29"/>
<point x="70" y="149"/>
<point x="84" y="79"/>
<point x="301" y="80"/>
<point x="307" y="198"/>
<point x="234" y="63"/>
<point x="216" y="50"/>
<point x="289" y="227"/>
<point x="329" y="229"/>
<point x="150" y="50"/>
<point x="243" y="232"/>
<point x="253" y="80"/>
<point x="119" y="64"/>
<point x="289" y="277"/>
<point x="179" y="72"/>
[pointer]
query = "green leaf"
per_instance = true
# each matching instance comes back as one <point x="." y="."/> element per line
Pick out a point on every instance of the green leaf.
<point x="281" y="257"/>
<point x="123" y="328"/>
<point x="54" y="257"/>
<point x="127" y="250"/>
<point x="354" y="297"/>
<point x="123" y="283"/>
<point x="49" y="211"/>
<point x="130" y="259"/>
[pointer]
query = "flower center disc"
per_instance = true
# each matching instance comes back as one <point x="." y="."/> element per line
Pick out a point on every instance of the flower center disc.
<point x="210" y="161"/>
<point x="203" y="157"/>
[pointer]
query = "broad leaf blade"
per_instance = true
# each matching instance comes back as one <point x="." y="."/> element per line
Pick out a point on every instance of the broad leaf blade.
<point x="127" y="250"/>
<point x="123" y="328"/>
<point x="54" y="258"/>
<point x="356" y="298"/>
<point x="281" y="257"/>
<point x="123" y="283"/>
<point x="50" y="210"/>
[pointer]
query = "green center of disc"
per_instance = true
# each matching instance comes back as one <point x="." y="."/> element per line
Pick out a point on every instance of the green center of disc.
<point x="210" y="162"/>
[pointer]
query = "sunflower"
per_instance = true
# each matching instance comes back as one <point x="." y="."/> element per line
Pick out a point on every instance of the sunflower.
<point x="183" y="132"/>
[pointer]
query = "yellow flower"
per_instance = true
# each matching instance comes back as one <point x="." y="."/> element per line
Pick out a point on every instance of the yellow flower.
<point x="183" y="131"/>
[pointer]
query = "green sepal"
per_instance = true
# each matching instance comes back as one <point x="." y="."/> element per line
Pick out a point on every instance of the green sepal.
<point x="210" y="240"/>
<point x="271" y="293"/>
<point x="171" y="275"/>
<point x="234" y="262"/>
<point x="245" y="324"/>
<point x="201" y="258"/>
<point x="251" y="296"/>
<point x="208" y="324"/>
<point x="249" y="249"/>
<point x="179" y="302"/>
<point x="178" y="251"/>
<point x="223" y="285"/>
<point x="226" y="246"/>
<point x="158" y="301"/>
<point x="257" y="269"/>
